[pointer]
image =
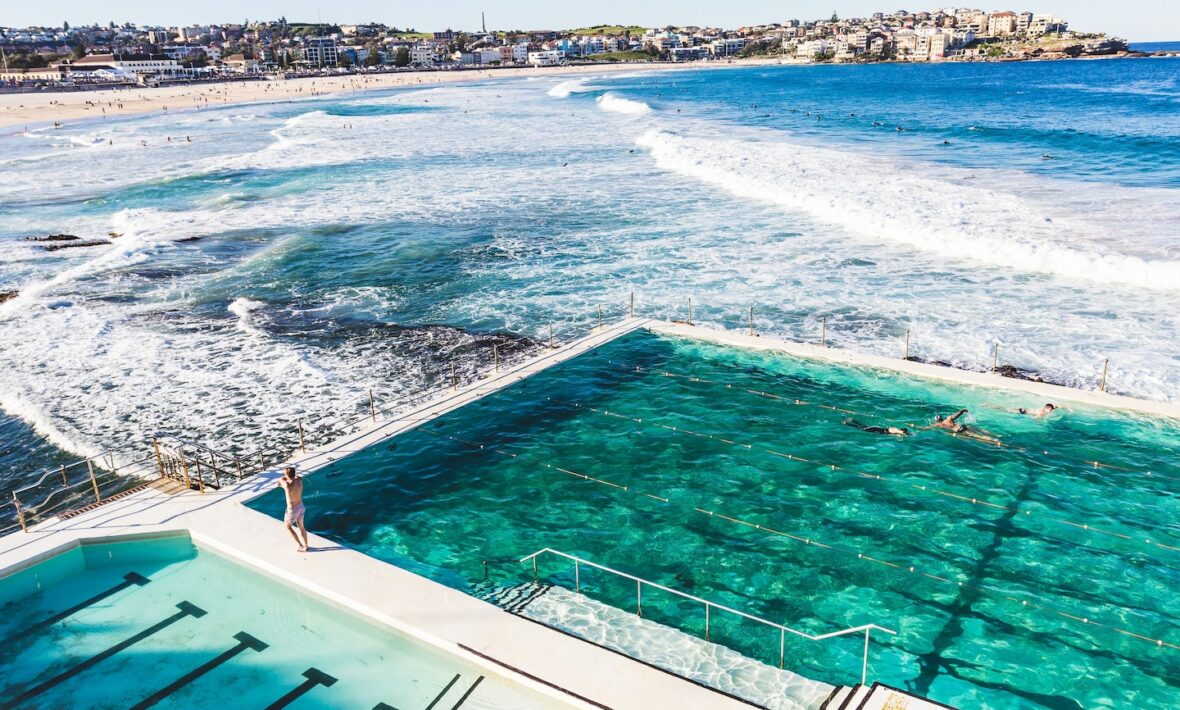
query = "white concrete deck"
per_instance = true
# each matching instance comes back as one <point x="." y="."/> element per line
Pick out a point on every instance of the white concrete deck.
<point x="1045" y="392"/>
<point x="510" y="646"/>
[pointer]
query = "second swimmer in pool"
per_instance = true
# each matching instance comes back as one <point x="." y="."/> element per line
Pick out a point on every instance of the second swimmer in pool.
<point x="888" y="430"/>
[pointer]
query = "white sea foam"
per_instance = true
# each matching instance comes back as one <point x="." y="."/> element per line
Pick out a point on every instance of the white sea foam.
<point x="244" y="308"/>
<point x="888" y="205"/>
<point x="563" y="89"/>
<point x="614" y="103"/>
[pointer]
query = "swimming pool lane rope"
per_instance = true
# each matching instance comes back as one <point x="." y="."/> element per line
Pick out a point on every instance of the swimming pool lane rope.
<point x="890" y="480"/>
<point x="1024" y="602"/>
<point x="628" y="367"/>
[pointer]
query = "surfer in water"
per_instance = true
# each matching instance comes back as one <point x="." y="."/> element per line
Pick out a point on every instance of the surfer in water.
<point x="887" y="430"/>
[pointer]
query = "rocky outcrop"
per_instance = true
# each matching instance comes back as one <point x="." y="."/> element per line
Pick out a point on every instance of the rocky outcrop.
<point x="54" y="242"/>
<point x="8" y="295"/>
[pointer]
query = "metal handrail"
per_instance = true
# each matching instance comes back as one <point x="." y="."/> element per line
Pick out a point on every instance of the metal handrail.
<point x="783" y="630"/>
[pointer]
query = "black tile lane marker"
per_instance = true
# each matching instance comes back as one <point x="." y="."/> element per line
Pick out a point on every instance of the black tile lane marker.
<point x="442" y="693"/>
<point x="245" y="642"/>
<point x="468" y="693"/>
<point x="129" y="579"/>
<point x="186" y="609"/>
<point x="314" y="677"/>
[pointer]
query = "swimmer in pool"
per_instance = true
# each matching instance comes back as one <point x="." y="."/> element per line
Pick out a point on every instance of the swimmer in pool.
<point x="952" y="426"/>
<point x="1038" y="413"/>
<point x="887" y="430"/>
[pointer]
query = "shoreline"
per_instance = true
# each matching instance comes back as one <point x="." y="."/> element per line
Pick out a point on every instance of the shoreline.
<point x="40" y="109"/>
<point x="36" y="110"/>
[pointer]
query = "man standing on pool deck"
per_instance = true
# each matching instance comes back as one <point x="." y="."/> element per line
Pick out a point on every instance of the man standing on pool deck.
<point x="292" y="485"/>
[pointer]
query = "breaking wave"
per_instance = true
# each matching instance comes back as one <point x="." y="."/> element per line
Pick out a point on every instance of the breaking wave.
<point x="905" y="208"/>
<point x="616" y="104"/>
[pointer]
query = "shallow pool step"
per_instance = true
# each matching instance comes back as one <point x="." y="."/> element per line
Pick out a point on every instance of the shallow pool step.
<point x="884" y="697"/>
<point x="836" y="700"/>
<point x="856" y="698"/>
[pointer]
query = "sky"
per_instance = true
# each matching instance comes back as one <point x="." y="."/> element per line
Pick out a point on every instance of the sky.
<point x="1136" y="20"/>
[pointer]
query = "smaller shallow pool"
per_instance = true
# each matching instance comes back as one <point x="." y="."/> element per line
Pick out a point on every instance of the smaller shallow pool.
<point x="159" y="622"/>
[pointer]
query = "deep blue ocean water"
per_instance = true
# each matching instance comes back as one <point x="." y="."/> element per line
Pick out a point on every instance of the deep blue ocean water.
<point x="294" y="255"/>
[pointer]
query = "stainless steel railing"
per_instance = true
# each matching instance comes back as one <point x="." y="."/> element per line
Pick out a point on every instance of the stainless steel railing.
<point x="640" y="583"/>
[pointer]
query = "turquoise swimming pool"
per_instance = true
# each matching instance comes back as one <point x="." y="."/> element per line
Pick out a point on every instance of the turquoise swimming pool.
<point x="1036" y="573"/>
<point x="159" y="622"/>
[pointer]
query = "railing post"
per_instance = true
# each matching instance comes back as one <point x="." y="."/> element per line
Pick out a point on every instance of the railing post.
<point x="238" y="463"/>
<point x="550" y="336"/>
<point x="600" y="317"/>
<point x="372" y="406"/>
<point x="534" y="568"/>
<point x="823" y="331"/>
<point x="155" y="450"/>
<point x="864" y="666"/>
<point x="996" y="358"/>
<point x="638" y="597"/>
<point x="689" y="311"/>
<point x="485" y="570"/>
<point x="261" y="460"/>
<point x="496" y="355"/>
<point x="782" y="648"/>
<point x="200" y="476"/>
<point x="93" y="480"/>
<point x="454" y="378"/>
<point x="577" y="577"/>
<point x="1105" y="366"/>
<point x="20" y="514"/>
<point x="216" y="474"/>
<point x="64" y="482"/>
<point x="302" y="446"/>
<point x="751" y="321"/>
<point x="907" y="346"/>
<point x="706" y="621"/>
<point x="631" y="309"/>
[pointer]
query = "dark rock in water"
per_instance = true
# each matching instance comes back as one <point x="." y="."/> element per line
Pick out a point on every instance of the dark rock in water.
<point x="8" y="295"/>
<point x="55" y="238"/>
<point x="188" y="239"/>
<point x="72" y="245"/>
<point x="1022" y="374"/>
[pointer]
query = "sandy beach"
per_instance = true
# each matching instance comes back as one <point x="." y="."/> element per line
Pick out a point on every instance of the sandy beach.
<point x="35" y="109"/>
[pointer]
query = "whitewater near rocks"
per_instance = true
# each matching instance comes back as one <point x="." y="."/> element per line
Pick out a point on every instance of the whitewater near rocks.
<point x="294" y="255"/>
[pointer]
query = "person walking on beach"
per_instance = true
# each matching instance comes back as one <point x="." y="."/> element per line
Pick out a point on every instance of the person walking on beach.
<point x="292" y="486"/>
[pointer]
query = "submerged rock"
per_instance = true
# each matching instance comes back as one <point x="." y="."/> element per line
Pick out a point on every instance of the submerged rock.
<point x="8" y="295"/>
<point x="72" y="245"/>
<point x="54" y="238"/>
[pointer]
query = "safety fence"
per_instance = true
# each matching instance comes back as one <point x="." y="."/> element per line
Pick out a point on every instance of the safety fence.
<point x="58" y="491"/>
<point x="787" y="399"/>
<point x="804" y="323"/>
<point x="709" y="609"/>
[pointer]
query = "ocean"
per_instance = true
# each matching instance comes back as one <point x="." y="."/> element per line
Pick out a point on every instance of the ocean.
<point x="275" y="262"/>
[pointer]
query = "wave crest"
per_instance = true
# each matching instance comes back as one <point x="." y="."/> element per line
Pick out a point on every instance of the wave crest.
<point x="874" y="202"/>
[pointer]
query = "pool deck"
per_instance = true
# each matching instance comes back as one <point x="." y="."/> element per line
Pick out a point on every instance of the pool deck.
<point x="554" y="664"/>
<point x="1044" y="392"/>
<point x="550" y="662"/>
